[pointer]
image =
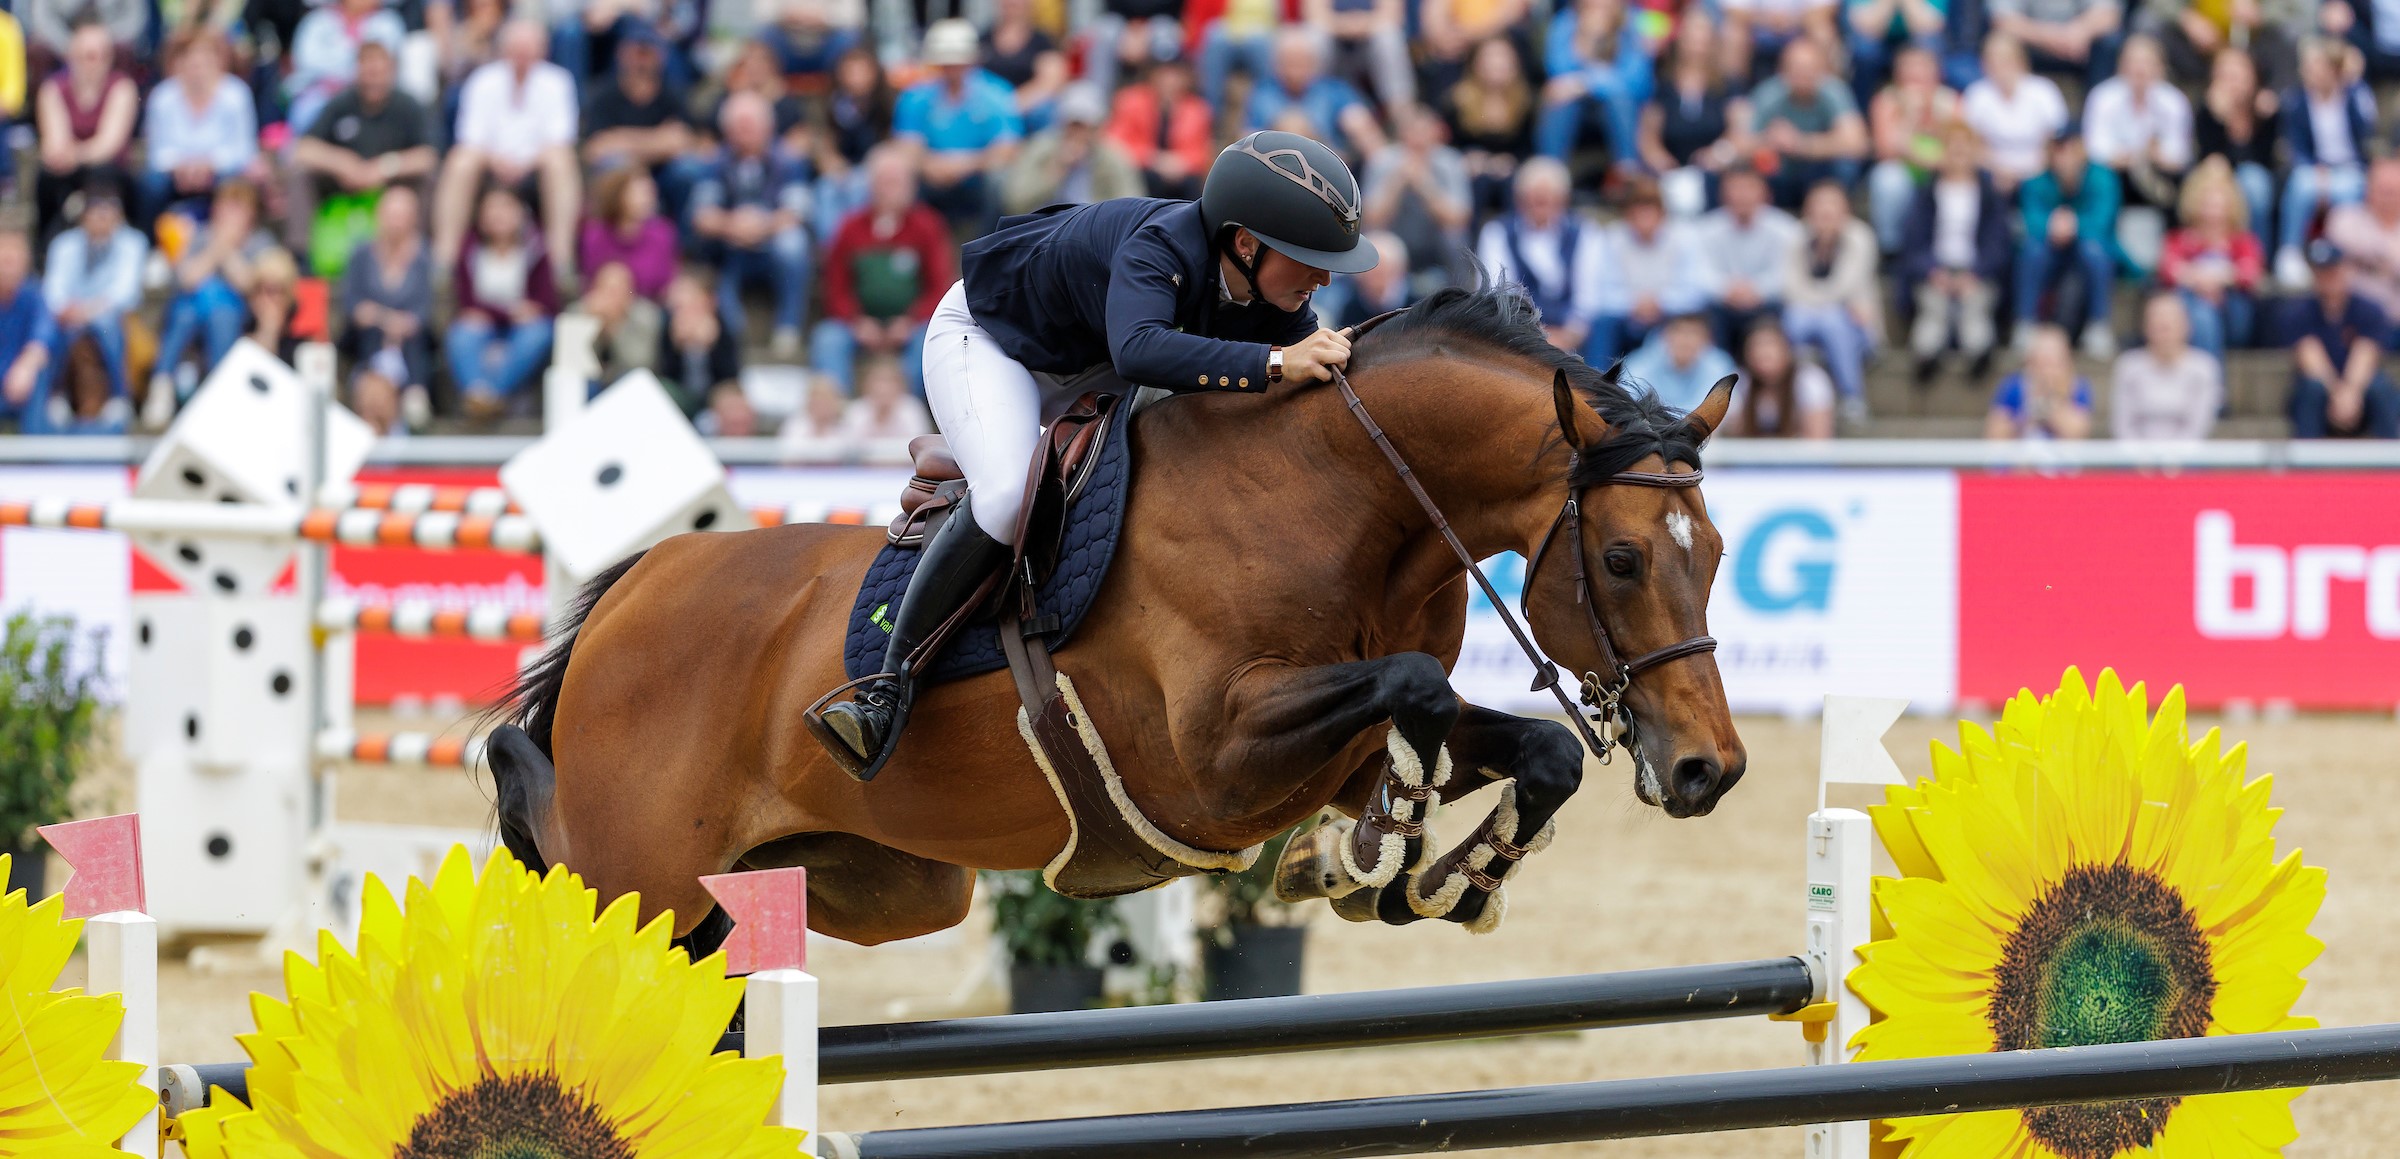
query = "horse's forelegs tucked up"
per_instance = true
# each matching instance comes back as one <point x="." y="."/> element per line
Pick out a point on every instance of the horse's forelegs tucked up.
<point x="1321" y="711"/>
<point x="1543" y="763"/>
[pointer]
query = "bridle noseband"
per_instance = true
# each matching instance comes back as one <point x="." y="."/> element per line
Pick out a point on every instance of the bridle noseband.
<point x="1605" y="698"/>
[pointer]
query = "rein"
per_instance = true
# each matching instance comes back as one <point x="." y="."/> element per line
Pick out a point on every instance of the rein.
<point x="1606" y="698"/>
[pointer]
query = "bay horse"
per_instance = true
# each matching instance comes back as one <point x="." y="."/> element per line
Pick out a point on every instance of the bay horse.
<point x="1278" y="597"/>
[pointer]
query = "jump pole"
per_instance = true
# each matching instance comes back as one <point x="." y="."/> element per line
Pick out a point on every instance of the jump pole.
<point x="1259" y="1026"/>
<point x="1684" y="1104"/>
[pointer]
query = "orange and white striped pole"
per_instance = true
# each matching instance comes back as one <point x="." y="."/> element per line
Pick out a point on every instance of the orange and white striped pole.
<point x="414" y="498"/>
<point x="425" y="620"/>
<point x="433" y="530"/>
<point x="357" y="527"/>
<point x="401" y="748"/>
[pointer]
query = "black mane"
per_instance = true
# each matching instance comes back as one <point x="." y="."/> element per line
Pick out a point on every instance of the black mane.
<point x="1504" y="320"/>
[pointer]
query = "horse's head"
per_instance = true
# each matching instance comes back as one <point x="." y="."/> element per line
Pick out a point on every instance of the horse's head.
<point x="1648" y="556"/>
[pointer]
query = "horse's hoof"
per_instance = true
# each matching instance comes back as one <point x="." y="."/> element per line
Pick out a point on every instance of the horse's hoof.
<point x="1456" y="886"/>
<point x="1360" y="905"/>
<point x="1311" y="866"/>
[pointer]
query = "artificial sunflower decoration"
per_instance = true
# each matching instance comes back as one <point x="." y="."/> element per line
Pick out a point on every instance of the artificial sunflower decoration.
<point x="59" y="1097"/>
<point x="496" y="1016"/>
<point x="2087" y="874"/>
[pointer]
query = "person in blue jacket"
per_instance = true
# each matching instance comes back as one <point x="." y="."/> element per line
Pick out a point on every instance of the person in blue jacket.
<point x="1211" y="294"/>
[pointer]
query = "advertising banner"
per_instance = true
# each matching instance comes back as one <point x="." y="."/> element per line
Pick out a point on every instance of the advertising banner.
<point x="2242" y="586"/>
<point x="1840" y="581"/>
<point x="1934" y="585"/>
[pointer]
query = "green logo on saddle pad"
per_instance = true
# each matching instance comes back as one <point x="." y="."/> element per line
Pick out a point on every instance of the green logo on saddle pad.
<point x="879" y="619"/>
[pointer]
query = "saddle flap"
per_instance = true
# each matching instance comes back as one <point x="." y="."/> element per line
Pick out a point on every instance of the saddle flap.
<point x="1076" y="562"/>
<point x="1067" y="451"/>
<point x="920" y="502"/>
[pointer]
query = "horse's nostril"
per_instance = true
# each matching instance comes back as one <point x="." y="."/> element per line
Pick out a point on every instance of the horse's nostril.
<point x="1694" y="779"/>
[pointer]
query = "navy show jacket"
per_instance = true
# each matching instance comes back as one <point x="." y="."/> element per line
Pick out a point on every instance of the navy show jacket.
<point x="1130" y="282"/>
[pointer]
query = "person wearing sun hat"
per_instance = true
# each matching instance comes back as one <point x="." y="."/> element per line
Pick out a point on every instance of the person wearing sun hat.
<point x="966" y="122"/>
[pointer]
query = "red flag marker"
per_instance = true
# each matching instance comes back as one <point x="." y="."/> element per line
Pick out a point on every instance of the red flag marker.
<point x="769" y="909"/>
<point x="105" y="857"/>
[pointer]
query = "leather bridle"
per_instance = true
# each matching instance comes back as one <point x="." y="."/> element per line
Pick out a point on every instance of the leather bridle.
<point x="1605" y="697"/>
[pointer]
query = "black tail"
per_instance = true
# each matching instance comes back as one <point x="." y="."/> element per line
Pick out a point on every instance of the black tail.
<point x="519" y="750"/>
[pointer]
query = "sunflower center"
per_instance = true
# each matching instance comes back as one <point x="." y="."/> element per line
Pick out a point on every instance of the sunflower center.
<point x="522" y="1117"/>
<point x="2109" y="954"/>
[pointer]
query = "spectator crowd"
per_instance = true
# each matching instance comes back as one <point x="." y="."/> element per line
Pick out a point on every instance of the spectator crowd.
<point x="1800" y="192"/>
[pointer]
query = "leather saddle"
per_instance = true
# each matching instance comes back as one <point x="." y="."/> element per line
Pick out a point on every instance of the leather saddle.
<point x="1060" y="469"/>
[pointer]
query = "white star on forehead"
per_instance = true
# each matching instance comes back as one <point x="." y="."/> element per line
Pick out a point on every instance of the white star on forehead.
<point x="1679" y="525"/>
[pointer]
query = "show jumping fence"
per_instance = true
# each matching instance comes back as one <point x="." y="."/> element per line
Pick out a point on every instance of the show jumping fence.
<point x="1509" y="1117"/>
<point x="1247" y="1027"/>
<point x="1682" y="1104"/>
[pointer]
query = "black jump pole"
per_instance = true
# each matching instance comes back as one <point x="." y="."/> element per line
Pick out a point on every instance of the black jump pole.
<point x="1684" y="1104"/>
<point x="1257" y="1026"/>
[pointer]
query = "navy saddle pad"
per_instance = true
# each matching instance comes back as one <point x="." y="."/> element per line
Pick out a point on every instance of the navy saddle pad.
<point x="1089" y="541"/>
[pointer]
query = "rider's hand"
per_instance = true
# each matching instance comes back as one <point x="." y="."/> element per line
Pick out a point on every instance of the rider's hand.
<point x="1312" y="359"/>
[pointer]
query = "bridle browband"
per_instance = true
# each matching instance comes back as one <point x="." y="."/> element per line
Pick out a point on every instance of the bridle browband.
<point x="1605" y="698"/>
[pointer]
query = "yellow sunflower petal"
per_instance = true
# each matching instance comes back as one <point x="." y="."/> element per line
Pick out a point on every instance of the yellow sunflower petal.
<point x="2238" y="1126"/>
<point x="1933" y="920"/>
<point x="1925" y="1035"/>
<point x="1982" y="1135"/>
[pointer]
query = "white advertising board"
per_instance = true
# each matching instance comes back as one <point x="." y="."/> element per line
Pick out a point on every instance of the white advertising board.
<point x="1833" y="581"/>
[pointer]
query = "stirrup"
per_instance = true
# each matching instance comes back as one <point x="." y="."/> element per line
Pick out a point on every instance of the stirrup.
<point x="862" y="766"/>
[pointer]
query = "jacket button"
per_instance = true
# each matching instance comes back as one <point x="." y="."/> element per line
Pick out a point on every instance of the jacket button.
<point x="1224" y="381"/>
<point x="1204" y="380"/>
<point x="1244" y="384"/>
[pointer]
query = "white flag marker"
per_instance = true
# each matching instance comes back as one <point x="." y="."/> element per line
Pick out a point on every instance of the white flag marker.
<point x="1850" y="750"/>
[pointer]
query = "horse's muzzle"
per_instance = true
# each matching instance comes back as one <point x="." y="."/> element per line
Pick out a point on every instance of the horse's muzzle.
<point x="1691" y="787"/>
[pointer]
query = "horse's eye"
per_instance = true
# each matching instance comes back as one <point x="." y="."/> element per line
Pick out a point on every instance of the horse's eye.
<point x="1622" y="562"/>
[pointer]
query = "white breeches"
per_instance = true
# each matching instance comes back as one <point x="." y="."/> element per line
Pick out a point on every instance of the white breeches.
<point x="990" y="409"/>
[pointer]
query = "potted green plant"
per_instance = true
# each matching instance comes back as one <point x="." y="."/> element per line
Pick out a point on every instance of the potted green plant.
<point x="49" y="698"/>
<point x="1252" y="945"/>
<point x="1048" y="939"/>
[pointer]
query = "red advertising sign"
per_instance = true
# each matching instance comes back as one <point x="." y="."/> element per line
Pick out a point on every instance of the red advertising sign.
<point x="2240" y="586"/>
<point x="391" y="668"/>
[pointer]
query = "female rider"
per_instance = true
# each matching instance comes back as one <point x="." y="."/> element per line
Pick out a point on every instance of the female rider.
<point x="1206" y="295"/>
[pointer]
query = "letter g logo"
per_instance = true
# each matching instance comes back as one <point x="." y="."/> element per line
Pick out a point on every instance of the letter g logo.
<point x="1775" y="573"/>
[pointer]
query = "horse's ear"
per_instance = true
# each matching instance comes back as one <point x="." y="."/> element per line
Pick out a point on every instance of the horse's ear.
<point x="1571" y="426"/>
<point x="1710" y="414"/>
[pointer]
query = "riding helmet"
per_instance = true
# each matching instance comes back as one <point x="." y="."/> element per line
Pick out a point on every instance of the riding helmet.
<point x="1295" y="194"/>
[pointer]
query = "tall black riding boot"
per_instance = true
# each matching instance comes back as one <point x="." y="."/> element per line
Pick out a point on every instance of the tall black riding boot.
<point x="957" y="559"/>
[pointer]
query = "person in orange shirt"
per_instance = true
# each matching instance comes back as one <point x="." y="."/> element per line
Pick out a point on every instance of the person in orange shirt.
<point x="1166" y="128"/>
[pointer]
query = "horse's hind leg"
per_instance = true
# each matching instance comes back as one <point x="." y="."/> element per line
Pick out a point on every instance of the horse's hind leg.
<point x="867" y="893"/>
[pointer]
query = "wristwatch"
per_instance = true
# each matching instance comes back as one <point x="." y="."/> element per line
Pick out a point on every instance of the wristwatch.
<point x="1274" y="364"/>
